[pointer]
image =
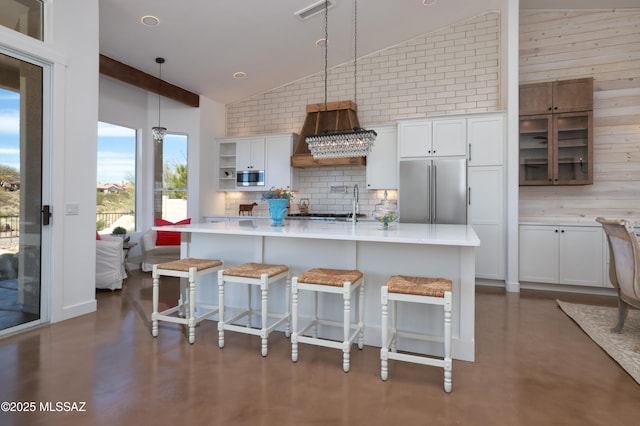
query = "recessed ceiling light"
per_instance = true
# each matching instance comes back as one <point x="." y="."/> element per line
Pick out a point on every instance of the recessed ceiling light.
<point x="429" y="2"/>
<point x="239" y="75"/>
<point x="320" y="42"/>
<point x="149" y="20"/>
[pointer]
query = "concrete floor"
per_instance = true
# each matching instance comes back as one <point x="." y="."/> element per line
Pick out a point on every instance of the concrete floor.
<point x="534" y="366"/>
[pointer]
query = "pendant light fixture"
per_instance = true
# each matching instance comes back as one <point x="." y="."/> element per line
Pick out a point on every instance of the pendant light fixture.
<point x="159" y="131"/>
<point x="356" y="142"/>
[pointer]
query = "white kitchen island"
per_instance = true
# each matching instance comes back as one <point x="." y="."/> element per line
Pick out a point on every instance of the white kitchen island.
<point x="409" y="249"/>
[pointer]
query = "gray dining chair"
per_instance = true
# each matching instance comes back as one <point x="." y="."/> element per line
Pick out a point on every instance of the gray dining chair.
<point x="624" y="265"/>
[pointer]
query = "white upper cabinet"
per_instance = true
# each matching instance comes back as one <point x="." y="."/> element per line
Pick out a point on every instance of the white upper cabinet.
<point x="382" y="161"/>
<point x="268" y="153"/>
<point x="485" y="135"/>
<point x="449" y="137"/>
<point x="424" y="137"/>
<point x="250" y="154"/>
<point x="414" y="137"/>
<point x="278" y="171"/>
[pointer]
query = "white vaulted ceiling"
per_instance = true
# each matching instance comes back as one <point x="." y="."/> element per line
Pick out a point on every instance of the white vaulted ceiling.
<point x="206" y="41"/>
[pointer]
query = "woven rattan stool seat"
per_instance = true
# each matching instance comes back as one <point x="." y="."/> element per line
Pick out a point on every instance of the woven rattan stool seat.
<point x="434" y="287"/>
<point x="190" y="262"/>
<point x="255" y="270"/>
<point x="333" y="277"/>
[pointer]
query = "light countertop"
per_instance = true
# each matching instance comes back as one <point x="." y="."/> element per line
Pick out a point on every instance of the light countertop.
<point x="408" y="233"/>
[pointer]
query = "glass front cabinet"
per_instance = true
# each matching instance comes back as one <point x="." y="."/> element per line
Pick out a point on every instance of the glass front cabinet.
<point x="556" y="149"/>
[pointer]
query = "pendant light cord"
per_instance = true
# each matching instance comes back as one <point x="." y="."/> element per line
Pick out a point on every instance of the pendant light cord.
<point x="355" y="52"/>
<point x="326" y="56"/>
<point x="159" y="90"/>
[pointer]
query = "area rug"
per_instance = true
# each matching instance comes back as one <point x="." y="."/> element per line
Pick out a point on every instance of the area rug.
<point x="597" y="322"/>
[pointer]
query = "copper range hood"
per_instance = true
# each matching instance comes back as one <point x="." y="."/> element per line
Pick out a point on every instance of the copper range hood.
<point x="335" y="116"/>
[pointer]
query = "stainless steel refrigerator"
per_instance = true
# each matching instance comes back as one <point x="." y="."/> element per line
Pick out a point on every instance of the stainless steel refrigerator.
<point x="433" y="191"/>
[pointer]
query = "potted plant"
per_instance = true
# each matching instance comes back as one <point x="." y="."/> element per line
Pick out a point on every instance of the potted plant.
<point x="119" y="231"/>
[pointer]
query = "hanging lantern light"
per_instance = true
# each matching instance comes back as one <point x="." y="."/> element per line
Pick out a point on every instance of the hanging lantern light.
<point x="159" y="131"/>
<point x="342" y="144"/>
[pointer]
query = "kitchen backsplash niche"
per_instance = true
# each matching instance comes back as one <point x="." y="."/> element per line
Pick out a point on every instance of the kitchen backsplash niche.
<point x="315" y="184"/>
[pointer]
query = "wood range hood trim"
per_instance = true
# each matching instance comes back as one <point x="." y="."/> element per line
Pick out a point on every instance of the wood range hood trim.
<point x="337" y="116"/>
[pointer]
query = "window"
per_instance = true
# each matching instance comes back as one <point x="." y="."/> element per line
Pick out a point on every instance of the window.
<point x="24" y="16"/>
<point x="170" y="194"/>
<point x="116" y="178"/>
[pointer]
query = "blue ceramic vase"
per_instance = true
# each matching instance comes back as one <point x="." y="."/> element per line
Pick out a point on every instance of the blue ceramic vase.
<point x="278" y="210"/>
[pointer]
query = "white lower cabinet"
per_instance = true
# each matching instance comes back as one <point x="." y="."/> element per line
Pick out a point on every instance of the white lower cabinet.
<point x="486" y="214"/>
<point x="562" y="254"/>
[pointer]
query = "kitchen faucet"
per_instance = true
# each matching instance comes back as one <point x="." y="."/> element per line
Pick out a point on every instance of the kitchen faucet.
<point x="356" y="206"/>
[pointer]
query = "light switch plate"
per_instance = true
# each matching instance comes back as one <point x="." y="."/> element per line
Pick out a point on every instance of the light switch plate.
<point x="72" y="209"/>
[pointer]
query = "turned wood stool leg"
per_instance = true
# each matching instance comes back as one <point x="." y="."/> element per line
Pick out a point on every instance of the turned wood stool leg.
<point x="346" y="326"/>
<point x="384" y="351"/>
<point x="265" y="304"/>
<point x="154" y="312"/>
<point x="361" y="317"/>
<point x="221" y="309"/>
<point x="294" y="319"/>
<point x="447" y="342"/>
<point x="191" y="324"/>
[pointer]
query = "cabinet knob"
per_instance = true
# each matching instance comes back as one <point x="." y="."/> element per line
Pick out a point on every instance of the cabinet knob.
<point x="562" y="232"/>
<point x="556" y="231"/>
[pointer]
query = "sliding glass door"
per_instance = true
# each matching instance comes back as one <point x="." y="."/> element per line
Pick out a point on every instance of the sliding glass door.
<point x="22" y="214"/>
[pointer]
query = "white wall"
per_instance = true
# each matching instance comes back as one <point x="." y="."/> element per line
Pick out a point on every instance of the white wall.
<point x="132" y="107"/>
<point x="74" y="35"/>
<point x="73" y="52"/>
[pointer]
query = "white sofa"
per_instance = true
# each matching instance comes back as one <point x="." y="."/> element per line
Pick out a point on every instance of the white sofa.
<point x="109" y="263"/>
<point x="153" y="254"/>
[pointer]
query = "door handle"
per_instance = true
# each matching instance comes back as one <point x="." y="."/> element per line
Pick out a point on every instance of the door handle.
<point x="46" y="215"/>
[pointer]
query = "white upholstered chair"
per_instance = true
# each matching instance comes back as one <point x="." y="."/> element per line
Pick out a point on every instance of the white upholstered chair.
<point x="624" y="265"/>
<point x="109" y="263"/>
<point x="153" y="253"/>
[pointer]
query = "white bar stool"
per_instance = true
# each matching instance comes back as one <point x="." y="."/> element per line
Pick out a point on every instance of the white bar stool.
<point x="431" y="291"/>
<point x="191" y="269"/>
<point x="262" y="275"/>
<point x="335" y="281"/>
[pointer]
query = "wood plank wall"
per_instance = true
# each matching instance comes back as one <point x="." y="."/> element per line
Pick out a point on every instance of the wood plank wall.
<point x="605" y="45"/>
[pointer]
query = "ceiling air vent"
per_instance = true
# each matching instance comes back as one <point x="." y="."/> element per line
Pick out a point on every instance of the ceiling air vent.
<point x="314" y="9"/>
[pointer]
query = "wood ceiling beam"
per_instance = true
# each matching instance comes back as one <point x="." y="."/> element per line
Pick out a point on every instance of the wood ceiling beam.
<point x="119" y="71"/>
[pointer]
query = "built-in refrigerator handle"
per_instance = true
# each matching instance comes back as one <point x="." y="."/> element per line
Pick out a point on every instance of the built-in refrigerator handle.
<point x="434" y="218"/>
<point x="430" y="199"/>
